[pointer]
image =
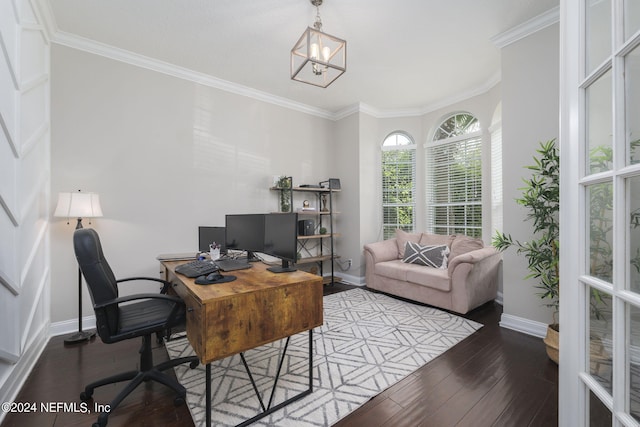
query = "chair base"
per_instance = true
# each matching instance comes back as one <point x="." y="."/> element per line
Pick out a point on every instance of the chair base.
<point x="147" y="373"/>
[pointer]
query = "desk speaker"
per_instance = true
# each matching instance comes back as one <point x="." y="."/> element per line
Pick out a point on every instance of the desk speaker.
<point x="305" y="227"/>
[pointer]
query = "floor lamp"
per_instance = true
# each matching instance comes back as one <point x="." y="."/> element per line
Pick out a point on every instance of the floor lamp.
<point x="78" y="205"/>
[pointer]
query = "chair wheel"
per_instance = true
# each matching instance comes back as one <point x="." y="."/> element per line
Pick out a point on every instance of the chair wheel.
<point x="194" y="364"/>
<point x="178" y="401"/>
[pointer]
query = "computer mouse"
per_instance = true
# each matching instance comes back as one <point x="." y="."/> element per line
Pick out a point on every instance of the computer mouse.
<point x="214" y="276"/>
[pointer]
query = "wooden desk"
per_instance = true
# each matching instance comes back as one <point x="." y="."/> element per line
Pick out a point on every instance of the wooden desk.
<point x="257" y="308"/>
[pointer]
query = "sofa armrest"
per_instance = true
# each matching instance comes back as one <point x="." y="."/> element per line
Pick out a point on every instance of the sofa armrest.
<point x="474" y="278"/>
<point x="473" y="257"/>
<point x="385" y="250"/>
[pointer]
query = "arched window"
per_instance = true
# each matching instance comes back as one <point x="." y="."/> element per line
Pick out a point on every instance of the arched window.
<point x="454" y="177"/>
<point x="398" y="183"/>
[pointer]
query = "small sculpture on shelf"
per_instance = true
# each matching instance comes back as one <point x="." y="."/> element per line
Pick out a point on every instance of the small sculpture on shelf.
<point x="324" y="203"/>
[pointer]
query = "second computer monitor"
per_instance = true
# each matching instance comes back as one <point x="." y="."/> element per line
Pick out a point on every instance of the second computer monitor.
<point x="209" y="235"/>
<point x="245" y="232"/>
<point x="281" y="239"/>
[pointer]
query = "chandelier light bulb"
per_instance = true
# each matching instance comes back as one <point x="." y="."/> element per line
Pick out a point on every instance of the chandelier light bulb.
<point x="326" y="53"/>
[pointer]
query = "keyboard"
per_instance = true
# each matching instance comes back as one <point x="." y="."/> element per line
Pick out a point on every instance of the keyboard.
<point x="197" y="268"/>
<point x="232" y="264"/>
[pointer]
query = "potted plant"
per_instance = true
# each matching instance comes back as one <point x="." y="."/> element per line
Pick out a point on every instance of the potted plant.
<point x="284" y="184"/>
<point x="541" y="197"/>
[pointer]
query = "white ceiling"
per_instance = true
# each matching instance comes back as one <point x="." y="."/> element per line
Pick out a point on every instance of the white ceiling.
<point x="402" y="54"/>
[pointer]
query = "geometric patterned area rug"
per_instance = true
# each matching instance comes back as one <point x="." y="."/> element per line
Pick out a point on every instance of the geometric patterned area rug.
<point x="368" y="342"/>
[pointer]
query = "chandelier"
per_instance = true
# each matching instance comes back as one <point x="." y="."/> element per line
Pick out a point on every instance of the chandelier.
<point x="318" y="58"/>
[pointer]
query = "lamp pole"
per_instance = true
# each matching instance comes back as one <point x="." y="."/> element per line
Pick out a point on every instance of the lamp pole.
<point x="78" y="205"/>
<point x="81" y="335"/>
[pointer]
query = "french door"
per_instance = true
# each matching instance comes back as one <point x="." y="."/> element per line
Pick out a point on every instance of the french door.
<point x="600" y="213"/>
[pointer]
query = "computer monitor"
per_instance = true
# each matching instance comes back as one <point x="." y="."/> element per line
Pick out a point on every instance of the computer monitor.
<point x="245" y="232"/>
<point x="281" y="239"/>
<point x="208" y="235"/>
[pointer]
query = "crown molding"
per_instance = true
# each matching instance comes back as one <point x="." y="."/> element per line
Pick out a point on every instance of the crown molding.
<point x="377" y="113"/>
<point x="527" y="28"/>
<point x="111" y="52"/>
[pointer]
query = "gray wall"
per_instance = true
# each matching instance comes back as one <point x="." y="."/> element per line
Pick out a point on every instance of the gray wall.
<point x="530" y="114"/>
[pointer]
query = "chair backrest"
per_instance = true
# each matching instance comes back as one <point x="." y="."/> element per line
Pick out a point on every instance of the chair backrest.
<point x="100" y="279"/>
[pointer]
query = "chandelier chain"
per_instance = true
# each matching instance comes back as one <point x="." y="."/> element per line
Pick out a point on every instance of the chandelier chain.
<point x="318" y="24"/>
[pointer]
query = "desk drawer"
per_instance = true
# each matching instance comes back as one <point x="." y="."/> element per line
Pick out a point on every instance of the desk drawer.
<point x="194" y="324"/>
<point x="194" y="317"/>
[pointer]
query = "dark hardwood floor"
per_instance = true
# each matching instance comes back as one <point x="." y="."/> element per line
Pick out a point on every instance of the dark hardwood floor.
<point x="496" y="377"/>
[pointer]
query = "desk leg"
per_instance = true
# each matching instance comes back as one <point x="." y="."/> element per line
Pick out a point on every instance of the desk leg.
<point x="269" y="409"/>
<point x="310" y="360"/>
<point x="208" y="394"/>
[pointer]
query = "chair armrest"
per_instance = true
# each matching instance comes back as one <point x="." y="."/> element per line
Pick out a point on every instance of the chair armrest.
<point x="135" y="297"/>
<point x="385" y="250"/>
<point x="472" y="257"/>
<point x="165" y="285"/>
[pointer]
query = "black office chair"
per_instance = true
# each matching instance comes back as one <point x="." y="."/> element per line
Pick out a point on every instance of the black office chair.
<point x="151" y="314"/>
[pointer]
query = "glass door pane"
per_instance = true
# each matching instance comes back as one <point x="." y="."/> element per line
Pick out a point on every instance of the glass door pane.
<point x="599" y="124"/>
<point x="598" y="32"/>
<point x="633" y="362"/>
<point x="601" y="230"/>
<point x="631" y="18"/>
<point x="632" y="101"/>
<point x="600" y="339"/>
<point x="599" y="415"/>
<point x="634" y="234"/>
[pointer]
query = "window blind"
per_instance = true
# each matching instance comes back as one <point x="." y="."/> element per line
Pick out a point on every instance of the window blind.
<point x="496" y="180"/>
<point x="454" y="186"/>
<point x="398" y="190"/>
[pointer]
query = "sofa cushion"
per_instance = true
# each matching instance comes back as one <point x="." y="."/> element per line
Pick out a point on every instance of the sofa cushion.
<point x="435" y="278"/>
<point x="429" y="256"/>
<point x="417" y="274"/>
<point x="395" y="269"/>
<point x="402" y="237"/>
<point x="463" y="244"/>
<point x="436" y="239"/>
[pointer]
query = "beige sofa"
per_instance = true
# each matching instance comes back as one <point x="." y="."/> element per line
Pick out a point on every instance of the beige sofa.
<point x="468" y="280"/>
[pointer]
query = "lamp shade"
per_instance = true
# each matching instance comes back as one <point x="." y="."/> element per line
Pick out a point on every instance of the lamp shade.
<point x="78" y="205"/>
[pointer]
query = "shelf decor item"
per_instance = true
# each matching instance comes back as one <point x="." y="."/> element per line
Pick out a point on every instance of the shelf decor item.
<point x="285" y="183"/>
<point x="324" y="203"/>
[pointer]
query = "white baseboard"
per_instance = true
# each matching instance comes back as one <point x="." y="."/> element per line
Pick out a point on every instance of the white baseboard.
<point x="353" y="280"/>
<point x="526" y="326"/>
<point x="71" y="326"/>
<point x="499" y="299"/>
<point x="23" y="367"/>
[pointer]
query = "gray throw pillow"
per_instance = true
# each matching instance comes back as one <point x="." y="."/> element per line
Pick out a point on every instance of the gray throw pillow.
<point x="429" y="256"/>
